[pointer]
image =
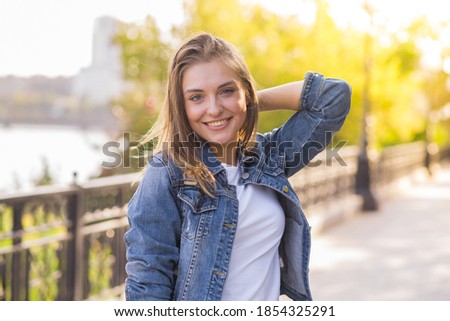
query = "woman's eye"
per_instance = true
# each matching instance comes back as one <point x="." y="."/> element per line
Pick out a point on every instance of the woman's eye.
<point x="195" y="97"/>
<point x="228" y="91"/>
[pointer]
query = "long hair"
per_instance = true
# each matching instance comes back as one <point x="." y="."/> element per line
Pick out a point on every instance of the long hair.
<point x="174" y="135"/>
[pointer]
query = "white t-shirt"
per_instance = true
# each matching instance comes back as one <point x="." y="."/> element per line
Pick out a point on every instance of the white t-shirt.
<point x="254" y="270"/>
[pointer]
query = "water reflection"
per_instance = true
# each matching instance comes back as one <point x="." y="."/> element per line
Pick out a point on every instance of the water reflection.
<point x="26" y="149"/>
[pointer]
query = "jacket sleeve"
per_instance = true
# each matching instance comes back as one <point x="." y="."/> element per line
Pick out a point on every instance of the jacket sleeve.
<point x="152" y="242"/>
<point x="324" y="105"/>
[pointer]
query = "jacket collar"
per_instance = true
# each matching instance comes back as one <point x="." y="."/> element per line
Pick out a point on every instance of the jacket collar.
<point x="246" y="158"/>
<point x="209" y="158"/>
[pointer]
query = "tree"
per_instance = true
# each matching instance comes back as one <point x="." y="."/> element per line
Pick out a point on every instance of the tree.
<point x="279" y="49"/>
<point x="145" y="55"/>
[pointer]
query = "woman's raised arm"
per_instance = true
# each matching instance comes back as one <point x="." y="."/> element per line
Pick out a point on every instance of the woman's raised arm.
<point x="285" y="96"/>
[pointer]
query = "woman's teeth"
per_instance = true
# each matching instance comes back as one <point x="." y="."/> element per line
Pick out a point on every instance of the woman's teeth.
<point x="216" y="123"/>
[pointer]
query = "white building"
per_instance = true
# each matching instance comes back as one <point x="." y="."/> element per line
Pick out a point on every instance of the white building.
<point x="102" y="81"/>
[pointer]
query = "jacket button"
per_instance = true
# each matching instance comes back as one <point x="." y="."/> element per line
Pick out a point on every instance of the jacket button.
<point x="229" y="225"/>
<point x="245" y="175"/>
<point x="285" y="188"/>
<point x="219" y="273"/>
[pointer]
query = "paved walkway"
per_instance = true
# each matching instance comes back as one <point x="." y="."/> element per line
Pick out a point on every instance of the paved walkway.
<point x="401" y="252"/>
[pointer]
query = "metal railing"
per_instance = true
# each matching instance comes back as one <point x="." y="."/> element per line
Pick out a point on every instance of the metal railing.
<point x="64" y="243"/>
<point x="399" y="161"/>
<point x="326" y="178"/>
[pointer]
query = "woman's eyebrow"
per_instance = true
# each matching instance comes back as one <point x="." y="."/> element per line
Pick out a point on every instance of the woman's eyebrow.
<point x="191" y="90"/>
<point x="231" y="82"/>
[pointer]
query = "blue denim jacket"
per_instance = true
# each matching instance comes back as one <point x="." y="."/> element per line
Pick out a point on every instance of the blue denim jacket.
<point x="180" y="239"/>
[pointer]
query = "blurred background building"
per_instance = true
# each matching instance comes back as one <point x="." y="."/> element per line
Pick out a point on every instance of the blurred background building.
<point x="102" y="80"/>
<point x="84" y="99"/>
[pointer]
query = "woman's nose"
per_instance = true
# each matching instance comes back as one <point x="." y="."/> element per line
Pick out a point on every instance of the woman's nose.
<point x="214" y="108"/>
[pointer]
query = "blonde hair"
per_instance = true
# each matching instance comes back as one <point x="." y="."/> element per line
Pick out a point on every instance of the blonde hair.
<point x="174" y="135"/>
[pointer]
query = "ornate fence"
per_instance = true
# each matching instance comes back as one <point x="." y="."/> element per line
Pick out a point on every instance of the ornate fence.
<point x="399" y="161"/>
<point x="67" y="243"/>
<point x="64" y="243"/>
<point x="327" y="178"/>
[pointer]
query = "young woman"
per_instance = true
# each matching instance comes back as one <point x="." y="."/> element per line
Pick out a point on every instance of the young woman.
<point x="214" y="216"/>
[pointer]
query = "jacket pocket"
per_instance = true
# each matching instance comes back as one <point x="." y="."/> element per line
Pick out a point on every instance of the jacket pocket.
<point x="197" y="209"/>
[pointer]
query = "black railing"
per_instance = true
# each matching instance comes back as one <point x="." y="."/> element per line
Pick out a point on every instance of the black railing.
<point x="67" y="243"/>
<point x="399" y="161"/>
<point x="64" y="243"/>
<point x="327" y="177"/>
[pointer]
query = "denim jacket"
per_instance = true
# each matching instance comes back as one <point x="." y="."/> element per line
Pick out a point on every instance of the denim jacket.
<point x="180" y="239"/>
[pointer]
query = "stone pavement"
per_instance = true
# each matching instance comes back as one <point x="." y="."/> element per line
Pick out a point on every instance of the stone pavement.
<point x="400" y="252"/>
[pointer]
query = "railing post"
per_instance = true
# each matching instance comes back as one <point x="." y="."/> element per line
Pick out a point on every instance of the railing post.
<point x="17" y="266"/>
<point x="71" y="248"/>
<point x="76" y="210"/>
<point x="80" y="274"/>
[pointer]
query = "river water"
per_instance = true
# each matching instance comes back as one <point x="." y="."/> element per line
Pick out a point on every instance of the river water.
<point x="26" y="149"/>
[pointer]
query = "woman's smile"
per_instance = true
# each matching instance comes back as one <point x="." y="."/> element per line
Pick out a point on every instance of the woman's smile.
<point x="217" y="124"/>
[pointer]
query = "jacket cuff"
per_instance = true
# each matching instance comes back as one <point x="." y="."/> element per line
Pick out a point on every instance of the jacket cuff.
<point x="312" y="84"/>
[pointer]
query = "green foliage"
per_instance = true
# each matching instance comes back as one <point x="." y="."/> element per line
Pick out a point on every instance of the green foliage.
<point x="44" y="272"/>
<point x="279" y="49"/>
<point x="45" y="266"/>
<point x="145" y="56"/>
<point x="100" y="266"/>
<point x="46" y="177"/>
<point x="6" y="224"/>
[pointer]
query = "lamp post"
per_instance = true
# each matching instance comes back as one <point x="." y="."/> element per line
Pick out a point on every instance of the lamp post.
<point x="363" y="173"/>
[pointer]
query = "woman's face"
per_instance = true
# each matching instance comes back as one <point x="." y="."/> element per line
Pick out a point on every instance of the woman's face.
<point x="215" y="101"/>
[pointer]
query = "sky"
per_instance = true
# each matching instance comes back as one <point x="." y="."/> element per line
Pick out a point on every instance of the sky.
<point x="54" y="37"/>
